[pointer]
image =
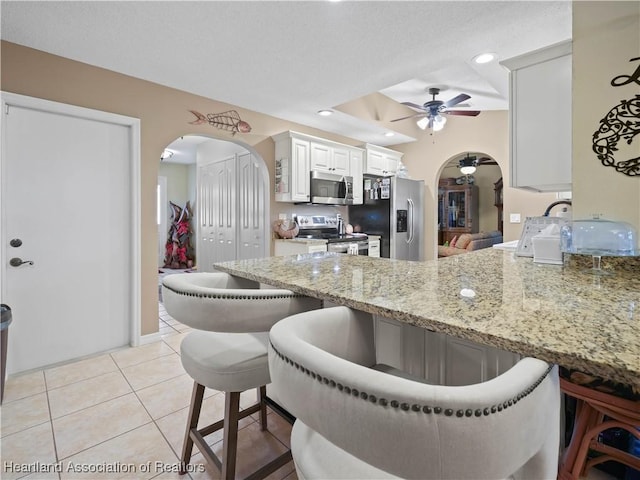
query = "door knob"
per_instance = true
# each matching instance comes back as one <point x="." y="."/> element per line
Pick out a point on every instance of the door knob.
<point x="16" y="262"/>
<point x="16" y="242"/>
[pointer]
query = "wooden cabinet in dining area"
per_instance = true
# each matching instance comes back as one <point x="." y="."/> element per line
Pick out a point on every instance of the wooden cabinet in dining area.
<point x="458" y="210"/>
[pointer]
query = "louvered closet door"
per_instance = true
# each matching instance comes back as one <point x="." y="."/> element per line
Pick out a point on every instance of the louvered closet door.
<point x="204" y="203"/>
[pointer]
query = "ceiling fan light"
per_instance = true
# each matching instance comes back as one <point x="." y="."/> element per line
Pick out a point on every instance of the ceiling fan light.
<point x="468" y="170"/>
<point x="422" y="123"/>
<point x="438" y="123"/>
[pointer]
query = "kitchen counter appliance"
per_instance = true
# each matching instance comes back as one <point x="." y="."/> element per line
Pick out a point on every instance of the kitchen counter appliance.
<point x="393" y="209"/>
<point x="327" y="228"/>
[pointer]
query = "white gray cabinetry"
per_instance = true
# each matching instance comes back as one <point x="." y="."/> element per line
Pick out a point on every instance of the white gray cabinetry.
<point x="329" y="158"/>
<point x="540" y="119"/>
<point x="356" y="159"/>
<point x="292" y="157"/>
<point x="381" y="161"/>
<point x="440" y="359"/>
<point x="296" y="154"/>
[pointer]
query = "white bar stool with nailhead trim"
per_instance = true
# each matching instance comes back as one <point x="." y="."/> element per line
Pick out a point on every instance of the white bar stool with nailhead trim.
<point x="227" y="352"/>
<point x="355" y="421"/>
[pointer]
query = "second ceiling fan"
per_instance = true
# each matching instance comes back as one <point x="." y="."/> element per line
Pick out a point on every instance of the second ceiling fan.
<point x="433" y="109"/>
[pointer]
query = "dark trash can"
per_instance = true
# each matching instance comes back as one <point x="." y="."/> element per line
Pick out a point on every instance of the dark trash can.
<point x="4" y="334"/>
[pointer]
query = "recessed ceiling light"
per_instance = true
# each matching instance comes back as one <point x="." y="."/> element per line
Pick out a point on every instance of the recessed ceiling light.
<point x="325" y="113"/>
<point x="484" y="58"/>
<point x="389" y="134"/>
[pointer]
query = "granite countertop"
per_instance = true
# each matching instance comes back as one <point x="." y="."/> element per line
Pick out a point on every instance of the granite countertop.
<point x="560" y="314"/>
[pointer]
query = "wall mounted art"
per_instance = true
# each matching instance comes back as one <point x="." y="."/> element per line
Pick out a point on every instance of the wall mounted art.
<point x="229" y="121"/>
<point x="622" y="123"/>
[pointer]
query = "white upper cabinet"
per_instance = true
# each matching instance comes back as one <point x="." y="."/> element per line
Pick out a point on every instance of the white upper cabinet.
<point x="381" y="161"/>
<point x="297" y="154"/>
<point x="292" y="162"/>
<point x="356" y="157"/>
<point x="540" y="119"/>
<point x="329" y="158"/>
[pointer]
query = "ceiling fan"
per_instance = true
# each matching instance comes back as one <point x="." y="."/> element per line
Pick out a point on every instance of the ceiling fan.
<point x="433" y="109"/>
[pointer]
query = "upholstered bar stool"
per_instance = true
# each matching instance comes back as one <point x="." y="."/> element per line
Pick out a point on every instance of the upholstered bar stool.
<point x="597" y="411"/>
<point x="353" y="421"/>
<point x="227" y="352"/>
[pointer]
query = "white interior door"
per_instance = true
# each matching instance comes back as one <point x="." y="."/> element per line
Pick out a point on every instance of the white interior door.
<point x="252" y="199"/>
<point x="67" y="197"/>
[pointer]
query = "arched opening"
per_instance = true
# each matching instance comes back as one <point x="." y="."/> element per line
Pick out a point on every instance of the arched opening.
<point x="213" y="204"/>
<point x="469" y="202"/>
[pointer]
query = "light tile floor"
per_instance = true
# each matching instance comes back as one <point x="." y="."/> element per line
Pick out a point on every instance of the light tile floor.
<point x="122" y="415"/>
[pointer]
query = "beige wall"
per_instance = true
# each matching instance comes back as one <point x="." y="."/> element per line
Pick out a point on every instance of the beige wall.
<point x="606" y="35"/>
<point x="178" y="182"/>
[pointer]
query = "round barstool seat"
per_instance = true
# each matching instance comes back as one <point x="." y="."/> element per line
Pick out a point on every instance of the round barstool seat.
<point x="227" y="352"/>
<point x="229" y="362"/>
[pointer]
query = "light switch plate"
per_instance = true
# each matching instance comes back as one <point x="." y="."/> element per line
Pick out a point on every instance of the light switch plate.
<point x="514" y="218"/>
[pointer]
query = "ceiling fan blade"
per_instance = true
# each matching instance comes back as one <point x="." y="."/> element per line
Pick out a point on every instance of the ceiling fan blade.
<point x="466" y="113"/>
<point x="414" y="105"/>
<point x="456" y="100"/>
<point x="411" y="116"/>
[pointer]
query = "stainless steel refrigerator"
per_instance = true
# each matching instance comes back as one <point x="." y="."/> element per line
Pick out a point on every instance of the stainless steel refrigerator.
<point x="394" y="209"/>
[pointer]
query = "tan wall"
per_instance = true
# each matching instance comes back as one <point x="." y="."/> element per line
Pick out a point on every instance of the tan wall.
<point x="606" y="36"/>
<point x="178" y="185"/>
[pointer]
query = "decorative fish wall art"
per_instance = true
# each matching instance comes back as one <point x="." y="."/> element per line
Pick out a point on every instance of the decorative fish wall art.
<point x="229" y="121"/>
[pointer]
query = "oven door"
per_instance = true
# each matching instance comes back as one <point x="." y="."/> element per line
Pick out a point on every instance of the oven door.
<point x="360" y="247"/>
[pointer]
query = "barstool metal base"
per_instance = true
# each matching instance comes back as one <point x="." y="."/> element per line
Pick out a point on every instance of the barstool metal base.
<point x="229" y="425"/>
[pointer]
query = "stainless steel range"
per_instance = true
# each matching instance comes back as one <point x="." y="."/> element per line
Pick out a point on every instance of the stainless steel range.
<point x="331" y="229"/>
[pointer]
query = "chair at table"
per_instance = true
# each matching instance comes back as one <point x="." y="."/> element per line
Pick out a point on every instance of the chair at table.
<point x="227" y="352"/>
<point x="354" y="421"/>
<point x="597" y="411"/>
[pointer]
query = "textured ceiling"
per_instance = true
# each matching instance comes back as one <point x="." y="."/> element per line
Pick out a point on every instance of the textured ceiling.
<point x="290" y="59"/>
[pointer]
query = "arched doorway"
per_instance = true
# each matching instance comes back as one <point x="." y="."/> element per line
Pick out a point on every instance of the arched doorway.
<point x="225" y="184"/>
<point x="469" y="202"/>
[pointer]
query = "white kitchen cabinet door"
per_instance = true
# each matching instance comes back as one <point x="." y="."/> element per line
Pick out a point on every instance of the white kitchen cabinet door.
<point x="540" y="119"/>
<point x="292" y="162"/>
<point x="440" y="359"/>
<point x="389" y="342"/>
<point x="356" y="157"/>
<point x="329" y="158"/>
<point x="321" y="157"/>
<point x="381" y="161"/>
<point x="341" y="161"/>
<point x="295" y="247"/>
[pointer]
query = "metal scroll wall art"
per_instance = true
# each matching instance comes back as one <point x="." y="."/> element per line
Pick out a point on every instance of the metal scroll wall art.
<point x="229" y="121"/>
<point x="622" y="123"/>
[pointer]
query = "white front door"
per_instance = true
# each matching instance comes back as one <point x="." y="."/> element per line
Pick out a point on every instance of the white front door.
<point x="67" y="206"/>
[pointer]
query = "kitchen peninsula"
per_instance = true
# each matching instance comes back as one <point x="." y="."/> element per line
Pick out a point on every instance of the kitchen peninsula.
<point x="560" y="314"/>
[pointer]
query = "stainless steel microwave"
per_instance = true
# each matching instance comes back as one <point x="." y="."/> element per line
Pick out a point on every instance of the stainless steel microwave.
<point x="331" y="189"/>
